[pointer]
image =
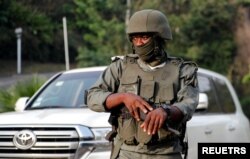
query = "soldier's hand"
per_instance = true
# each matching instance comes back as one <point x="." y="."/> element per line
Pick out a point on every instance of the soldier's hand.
<point x="154" y="121"/>
<point x="134" y="103"/>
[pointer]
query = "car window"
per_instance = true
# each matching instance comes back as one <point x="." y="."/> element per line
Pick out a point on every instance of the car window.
<point x="206" y="86"/>
<point x="226" y="100"/>
<point x="66" y="90"/>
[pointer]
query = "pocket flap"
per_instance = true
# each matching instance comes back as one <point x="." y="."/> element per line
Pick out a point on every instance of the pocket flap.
<point x="166" y="93"/>
<point x="129" y="85"/>
<point x="129" y="80"/>
<point x="147" y="89"/>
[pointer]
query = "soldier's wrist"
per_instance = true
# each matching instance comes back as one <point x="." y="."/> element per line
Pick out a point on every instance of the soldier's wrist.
<point x="168" y="110"/>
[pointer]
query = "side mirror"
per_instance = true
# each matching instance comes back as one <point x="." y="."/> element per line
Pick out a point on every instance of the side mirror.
<point x="21" y="103"/>
<point x="203" y="102"/>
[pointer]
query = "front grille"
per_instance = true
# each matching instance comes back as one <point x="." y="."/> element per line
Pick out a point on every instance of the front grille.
<point x="51" y="142"/>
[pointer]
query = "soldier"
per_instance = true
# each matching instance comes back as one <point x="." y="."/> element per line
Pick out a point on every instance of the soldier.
<point x="150" y="95"/>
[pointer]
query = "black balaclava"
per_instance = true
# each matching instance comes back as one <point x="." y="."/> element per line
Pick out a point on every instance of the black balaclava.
<point x="152" y="52"/>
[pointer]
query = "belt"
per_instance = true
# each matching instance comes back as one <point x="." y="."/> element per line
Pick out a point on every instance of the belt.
<point x="154" y="141"/>
<point x="166" y="140"/>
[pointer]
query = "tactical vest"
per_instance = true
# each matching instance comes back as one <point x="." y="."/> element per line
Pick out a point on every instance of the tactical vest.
<point x="156" y="87"/>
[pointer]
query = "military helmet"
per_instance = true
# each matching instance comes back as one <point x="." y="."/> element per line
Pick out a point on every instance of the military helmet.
<point x="149" y="21"/>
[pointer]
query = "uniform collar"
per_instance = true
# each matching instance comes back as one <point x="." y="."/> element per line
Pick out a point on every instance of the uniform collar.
<point x="147" y="67"/>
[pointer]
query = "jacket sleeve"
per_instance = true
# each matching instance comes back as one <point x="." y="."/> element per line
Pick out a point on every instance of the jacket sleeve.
<point x="107" y="84"/>
<point x="188" y="95"/>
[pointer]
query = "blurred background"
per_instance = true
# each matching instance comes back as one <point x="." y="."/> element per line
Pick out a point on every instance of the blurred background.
<point x="215" y="34"/>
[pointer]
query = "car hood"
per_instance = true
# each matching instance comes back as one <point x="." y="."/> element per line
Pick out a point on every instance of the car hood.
<point x="82" y="116"/>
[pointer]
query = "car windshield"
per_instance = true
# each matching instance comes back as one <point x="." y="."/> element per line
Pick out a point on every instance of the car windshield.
<point x="66" y="91"/>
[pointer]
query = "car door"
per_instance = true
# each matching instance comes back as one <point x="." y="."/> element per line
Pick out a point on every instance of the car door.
<point x="219" y="122"/>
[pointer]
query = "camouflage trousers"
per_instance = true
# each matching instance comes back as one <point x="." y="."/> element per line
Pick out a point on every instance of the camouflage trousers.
<point x="133" y="155"/>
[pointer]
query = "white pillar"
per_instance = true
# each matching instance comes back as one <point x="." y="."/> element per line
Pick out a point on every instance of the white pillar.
<point x="18" y="32"/>
<point x="66" y="49"/>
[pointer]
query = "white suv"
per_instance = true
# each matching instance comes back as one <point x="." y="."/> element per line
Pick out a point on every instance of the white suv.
<point x="219" y="117"/>
<point x="55" y="123"/>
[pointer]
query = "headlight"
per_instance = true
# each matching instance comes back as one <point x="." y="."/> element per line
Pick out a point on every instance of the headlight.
<point x="100" y="133"/>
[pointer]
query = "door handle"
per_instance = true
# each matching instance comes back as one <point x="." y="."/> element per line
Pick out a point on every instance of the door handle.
<point x="208" y="131"/>
<point x="231" y="128"/>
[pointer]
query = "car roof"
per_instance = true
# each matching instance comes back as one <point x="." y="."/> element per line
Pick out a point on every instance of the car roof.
<point x="86" y="69"/>
<point x="211" y="73"/>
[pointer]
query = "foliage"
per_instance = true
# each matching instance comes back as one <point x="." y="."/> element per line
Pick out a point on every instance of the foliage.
<point x="245" y="102"/>
<point x="26" y="88"/>
<point x="206" y="34"/>
<point x="102" y="24"/>
<point x="42" y="38"/>
<point x="201" y="29"/>
<point x="246" y="78"/>
<point x="17" y="15"/>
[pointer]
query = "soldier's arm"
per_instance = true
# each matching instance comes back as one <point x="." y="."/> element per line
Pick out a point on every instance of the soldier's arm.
<point x="174" y="114"/>
<point x="188" y="95"/>
<point x="157" y="118"/>
<point x="106" y="85"/>
<point x="103" y="96"/>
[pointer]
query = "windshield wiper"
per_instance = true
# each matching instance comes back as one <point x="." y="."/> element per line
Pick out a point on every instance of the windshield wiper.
<point x="49" y="107"/>
<point x="82" y="106"/>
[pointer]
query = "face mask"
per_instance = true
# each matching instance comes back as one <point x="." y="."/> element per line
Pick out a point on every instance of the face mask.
<point x="145" y="52"/>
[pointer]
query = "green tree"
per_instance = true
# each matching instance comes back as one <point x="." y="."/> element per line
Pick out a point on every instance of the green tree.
<point x="34" y="24"/>
<point x="102" y="26"/>
<point x="208" y="34"/>
<point x="41" y="21"/>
